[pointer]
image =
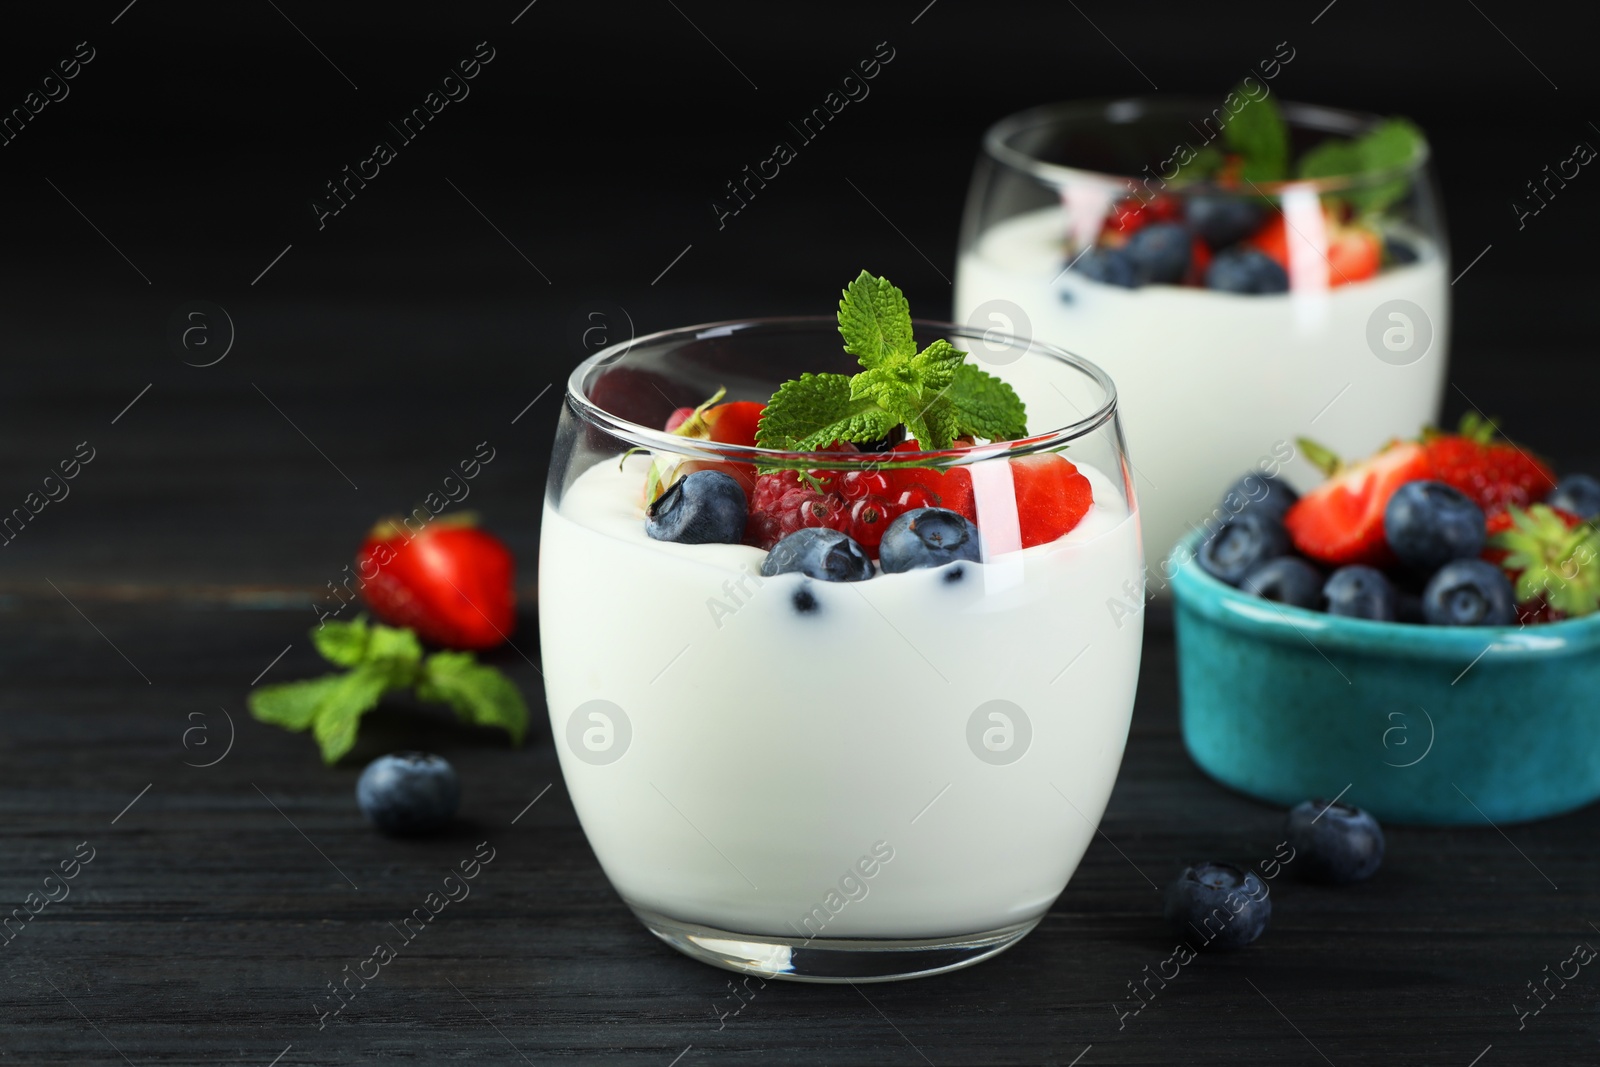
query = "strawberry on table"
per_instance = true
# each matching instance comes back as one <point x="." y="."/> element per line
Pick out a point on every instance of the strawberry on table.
<point x="450" y="582"/>
<point x="1340" y="522"/>
<point x="1489" y="469"/>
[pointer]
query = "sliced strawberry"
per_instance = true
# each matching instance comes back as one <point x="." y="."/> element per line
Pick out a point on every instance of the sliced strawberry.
<point x="1341" y="521"/>
<point x="1053" y="496"/>
<point x="1199" y="260"/>
<point x="1130" y="215"/>
<point x="1272" y="240"/>
<point x="1492" y="471"/>
<point x="1354" y="255"/>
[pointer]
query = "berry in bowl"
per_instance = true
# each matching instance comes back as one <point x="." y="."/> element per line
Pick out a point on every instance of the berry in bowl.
<point x="826" y="654"/>
<point x="1422" y="629"/>
<point x="1220" y="256"/>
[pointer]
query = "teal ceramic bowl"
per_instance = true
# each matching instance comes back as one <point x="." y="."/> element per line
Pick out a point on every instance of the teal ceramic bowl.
<point x="1438" y="725"/>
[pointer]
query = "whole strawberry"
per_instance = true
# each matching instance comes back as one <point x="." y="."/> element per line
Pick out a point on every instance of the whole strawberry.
<point x="449" y="581"/>
<point x="1486" y="467"/>
<point x="1553" y="559"/>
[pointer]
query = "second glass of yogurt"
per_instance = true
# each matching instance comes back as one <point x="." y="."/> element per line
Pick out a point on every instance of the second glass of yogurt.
<point x="838" y="780"/>
<point x="1315" y="307"/>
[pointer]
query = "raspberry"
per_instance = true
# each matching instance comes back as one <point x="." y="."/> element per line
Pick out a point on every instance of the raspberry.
<point x="782" y="504"/>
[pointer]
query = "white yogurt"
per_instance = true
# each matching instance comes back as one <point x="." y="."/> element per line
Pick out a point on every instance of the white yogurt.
<point x="1209" y="383"/>
<point x="771" y="752"/>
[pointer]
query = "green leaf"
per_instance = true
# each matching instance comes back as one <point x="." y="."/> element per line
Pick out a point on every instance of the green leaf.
<point x="936" y="365"/>
<point x="292" y="705"/>
<point x="396" y="644"/>
<point x="1391" y="145"/>
<point x="479" y="694"/>
<point x="815" y="410"/>
<point x="1259" y="134"/>
<point x="1333" y="158"/>
<point x="985" y="406"/>
<point x="1205" y="163"/>
<point x="342" y="643"/>
<point x="875" y="321"/>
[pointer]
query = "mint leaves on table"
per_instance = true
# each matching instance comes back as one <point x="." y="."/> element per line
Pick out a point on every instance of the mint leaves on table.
<point x="382" y="659"/>
<point x="934" y="393"/>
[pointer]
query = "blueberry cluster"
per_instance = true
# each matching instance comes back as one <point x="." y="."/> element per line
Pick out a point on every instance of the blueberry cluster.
<point x="1435" y="531"/>
<point x="1228" y="907"/>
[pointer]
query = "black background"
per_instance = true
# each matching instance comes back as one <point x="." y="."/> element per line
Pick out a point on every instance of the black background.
<point x="412" y="327"/>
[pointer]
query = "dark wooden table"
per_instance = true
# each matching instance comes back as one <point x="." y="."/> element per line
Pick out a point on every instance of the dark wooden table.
<point x="222" y="900"/>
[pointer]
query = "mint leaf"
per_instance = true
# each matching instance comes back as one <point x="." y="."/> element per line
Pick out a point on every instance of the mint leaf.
<point x="394" y="644"/>
<point x="342" y="643"/>
<point x="986" y="406"/>
<point x="1259" y="134"/>
<point x="936" y="365"/>
<point x="1333" y="158"/>
<point x="815" y="410"/>
<point x="875" y="321"/>
<point x="479" y="694"/>
<point x="292" y="705"/>
<point x="1390" y="145"/>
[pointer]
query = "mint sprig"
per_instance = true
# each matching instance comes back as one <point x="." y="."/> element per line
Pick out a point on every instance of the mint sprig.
<point x="1259" y="135"/>
<point x="935" y="394"/>
<point x="381" y="660"/>
<point x="1389" y="145"/>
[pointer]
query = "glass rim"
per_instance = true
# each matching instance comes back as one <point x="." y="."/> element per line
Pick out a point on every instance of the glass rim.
<point x="658" y="440"/>
<point x="1135" y="108"/>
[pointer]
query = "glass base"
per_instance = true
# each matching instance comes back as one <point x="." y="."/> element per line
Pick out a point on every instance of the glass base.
<point x="831" y="959"/>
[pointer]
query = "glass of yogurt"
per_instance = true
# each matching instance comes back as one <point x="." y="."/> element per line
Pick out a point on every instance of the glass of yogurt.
<point x="1249" y="313"/>
<point x="883" y="776"/>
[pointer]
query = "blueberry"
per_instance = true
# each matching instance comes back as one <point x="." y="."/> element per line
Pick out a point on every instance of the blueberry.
<point x="1286" y="580"/>
<point x="1361" y="592"/>
<point x="1334" y="842"/>
<point x="1428" y="524"/>
<point x="927" y="537"/>
<point x="1469" y="592"/>
<point x="820" y="553"/>
<point x="1246" y="270"/>
<point x="1219" y="904"/>
<point x="1109" y="265"/>
<point x="1260" y="492"/>
<point x="1240" y="543"/>
<point x="707" y="507"/>
<point x="408" y="792"/>
<point x="1160" y="253"/>
<point x="1222" y="220"/>
<point x="1399" y="252"/>
<point x="1579" y="494"/>
<point x="805" y="601"/>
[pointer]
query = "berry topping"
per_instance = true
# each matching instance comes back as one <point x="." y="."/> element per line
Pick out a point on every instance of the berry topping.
<point x="1579" y="494"/>
<point x="1240" y="543"/>
<point x="1341" y="521"/>
<point x="1224" y="220"/>
<point x="1219" y="904"/>
<point x="707" y="507"/>
<point x="408" y="793"/>
<point x="1246" y="270"/>
<point x="927" y="537"/>
<point x="1113" y="266"/>
<point x="1259" y="492"/>
<point x="1053" y="496"/>
<point x="1492" y="471"/>
<point x="1360" y="592"/>
<point x="1552" y="556"/>
<point x="1398" y="252"/>
<point x="826" y="555"/>
<point x="1285" y="580"/>
<point x="1334" y="842"/>
<point x="1354" y="255"/>
<point x="732" y="424"/>
<point x="1469" y="592"/>
<point x="1428" y="524"/>
<point x="1159" y="253"/>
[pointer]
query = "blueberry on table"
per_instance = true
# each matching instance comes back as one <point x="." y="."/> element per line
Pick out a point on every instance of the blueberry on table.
<point x="1217" y="904"/>
<point x="1579" y="494"/>
<point x="1246" y="270"/>
<point x="408" y="793"/>
<point x="821" y="553"/>
<point x="927" y="537"/>
<point x="707" y="507"/>
<point x="1469" y="592"/>
<point x="1285" y="580"/>
<point x="1428" y="524"/>
<point x="1259" y="492"/>
<point x="1240" y="543"/>
<point x="1334" y="842"/>
<point x="1160" y="253"/>
<point x="1109" y="265"/>
<point x="1222" y="220"/>
<point x="1361" y="592"/>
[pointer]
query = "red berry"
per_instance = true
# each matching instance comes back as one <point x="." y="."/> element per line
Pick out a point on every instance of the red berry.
<point x="451" y="582"/>
<point x="1053" y="496"/>
<point x="1341" y="521"/>
<point x="1493" y="472"/>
